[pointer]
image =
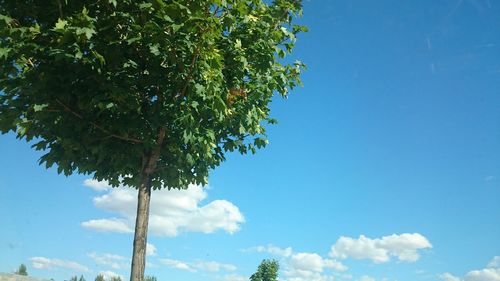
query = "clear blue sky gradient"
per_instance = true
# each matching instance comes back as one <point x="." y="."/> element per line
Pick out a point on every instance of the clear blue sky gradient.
<point x="397" y="130"/>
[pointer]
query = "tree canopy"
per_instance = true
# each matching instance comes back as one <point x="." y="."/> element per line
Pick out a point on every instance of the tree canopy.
<point x="97" y="84"/>
<point x="267" y="271"/>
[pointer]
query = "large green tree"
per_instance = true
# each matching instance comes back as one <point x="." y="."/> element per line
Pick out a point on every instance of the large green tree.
<point x="145" y="93"/>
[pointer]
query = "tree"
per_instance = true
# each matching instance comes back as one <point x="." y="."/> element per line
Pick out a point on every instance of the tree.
<point x="150" y="94"/>
<point x="99" y="277"/>
<point x="150" y="278"/>
<point x="81" y="278"/>
<point x="74" y="278"/>
<point x="22" y="270"/>
<point x="116" y="278"/>
<point x="267" y="271"/>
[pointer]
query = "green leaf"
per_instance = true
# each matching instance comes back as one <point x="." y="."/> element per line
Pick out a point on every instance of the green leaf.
<point x="144" y="6"/>
<point x="4" y="52"/>
<point x="134" y="39"/>
<point x="39" y="107"/>
<point x="6" y="19"/>
<point x="154" y="49"/>
<point x="238" y="44"/>
<point x="176" y="27"/>
<point x="99" y="57"/>
<point x="60" y="24"/>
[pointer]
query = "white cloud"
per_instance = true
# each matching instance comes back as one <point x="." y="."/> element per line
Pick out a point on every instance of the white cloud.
<point x="310" y="267"/>
<point x="151" y="249"/>
<point x="314" y="262"/>
<point x="171" y="212"/>
<point x="111" y="260"/>
<point x="48" y="263"/>
<point x="495" y="262"/>
<point x="109" y="225"/>
<point x="110" y="274"/>
<point x="209" y="266"/>
<point x="233" y="277"/>
<point x="491" y="273"/>
<point x="302" y="266"/>
<point x="213" y="266"/>
<point x="177" y="264"/>
<point x="273" y="250"/>
<point x="305" y="275"/>
<point x="366" y="278"/>
<point x="449" y="277"/>
<point x="404" y="246"/>
<point x="486" y="274"/>
<point x="97" y="185"/>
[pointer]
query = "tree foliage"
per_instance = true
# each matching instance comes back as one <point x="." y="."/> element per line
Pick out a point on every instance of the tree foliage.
<point x="267" y="271"/>
<point x="22" y="270"/>
<point x="144" y="93"/>
<point x="99" y="277"/>
<point x="97" y="83"/>
<point x="150" y="278"/>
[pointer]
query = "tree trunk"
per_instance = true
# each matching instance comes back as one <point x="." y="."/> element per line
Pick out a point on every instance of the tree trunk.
<point x="142" y="219"/>
<point x="141" y="230"/>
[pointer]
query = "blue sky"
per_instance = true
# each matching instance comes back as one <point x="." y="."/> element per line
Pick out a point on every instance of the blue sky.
<point x="385" y="166"/>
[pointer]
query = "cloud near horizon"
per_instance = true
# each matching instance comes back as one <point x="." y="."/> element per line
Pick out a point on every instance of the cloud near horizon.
<point x="172" y="211"/>
<point x="110" y="260"/>
<point x="271" y="249"/>
<point x="490" y="273"/>
<point x="54" y="264"/>
<point x="301" y="266"/>
<point x="207" y="266"/>
<point x="404" y="247"/>
<point x="110" y="274"/>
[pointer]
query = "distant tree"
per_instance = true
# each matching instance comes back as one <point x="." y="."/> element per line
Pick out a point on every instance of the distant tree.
<point x="150" y="278"/>
<point x="22" y="270"/>
<point x="267" y="271"/>
<point x="74" y="278"/>
<point x="116" y="278"/>
<point x="99" y="277"/>
<point x="81" y="278"/>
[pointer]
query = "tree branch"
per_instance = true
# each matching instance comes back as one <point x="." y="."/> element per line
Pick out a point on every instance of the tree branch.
<point x="155" y="154"/>
<point x="60" y="9"/>
<point x="79" y="116"/>
<point x="190" y="73"/>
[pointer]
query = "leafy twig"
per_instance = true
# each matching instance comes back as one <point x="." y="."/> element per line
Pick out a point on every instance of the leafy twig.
<point x="79" y="116"/>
